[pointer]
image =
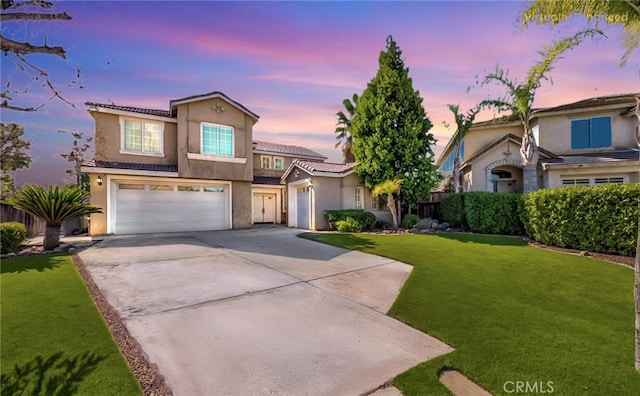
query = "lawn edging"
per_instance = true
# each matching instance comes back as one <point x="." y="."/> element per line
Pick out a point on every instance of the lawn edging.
<point x="147" y="374"/>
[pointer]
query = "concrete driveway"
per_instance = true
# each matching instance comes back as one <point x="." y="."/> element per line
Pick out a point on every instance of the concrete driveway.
<point x="259" y="312"/>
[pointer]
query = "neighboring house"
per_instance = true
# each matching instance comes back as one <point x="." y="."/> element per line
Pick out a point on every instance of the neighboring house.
<point x="313" y="187"/>
<point x="270" y="161"/>
<point x="589" y="142"/>
<point x="192" y="167"/>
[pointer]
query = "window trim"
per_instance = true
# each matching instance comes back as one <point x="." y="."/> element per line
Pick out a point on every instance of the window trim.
<point x="122" y="121"/>
<point x="274" y="163"/>
<point x="357" y="198"/>
<point x="590" y="147"/>
<point x="233" y="140"/>
<point x="262" y="158"/>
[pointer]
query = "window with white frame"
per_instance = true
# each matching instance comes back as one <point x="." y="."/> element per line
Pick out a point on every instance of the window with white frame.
<point x="265" y="162"/>
<point x="278" y="163"/>
<point x="358" y="198"/>
<point x="142" y="137"/>
<point x="216" y="139"/>
<point x="596" y="181"/>
<point x="375" y="205"/>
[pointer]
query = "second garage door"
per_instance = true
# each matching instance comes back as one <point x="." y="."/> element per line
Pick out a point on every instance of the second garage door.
<point x="159" y="207"/>
<point x="302" y="207"/>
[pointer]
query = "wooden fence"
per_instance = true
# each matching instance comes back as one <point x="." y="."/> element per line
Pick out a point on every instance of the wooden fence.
<point x="33" y="225"/>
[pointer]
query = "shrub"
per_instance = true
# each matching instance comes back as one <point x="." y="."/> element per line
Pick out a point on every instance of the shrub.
<point x="408" y="221"/>
<point x="12" y="234"/>
<point x="597" y="219"/>
<point x="349" y="225"/>
<point x="367" y="220"/>
<point x="493" y="213"/>
<point x="452" y="210"/>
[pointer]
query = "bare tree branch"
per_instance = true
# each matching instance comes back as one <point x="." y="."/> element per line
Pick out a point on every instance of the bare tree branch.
<point x="7" y="45"/>
<point x="15" y="16"/>
<point x="11" y="5"/>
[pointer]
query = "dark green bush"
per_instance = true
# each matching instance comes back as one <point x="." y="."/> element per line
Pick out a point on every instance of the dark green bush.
<point x="597" y="219"/>
<point x="12" y="234"/>
<point x="452" y="210"/>
<point x="367" y="220"/>
<point x="349" y="225"/>
<point x="493" y="213"/>
<point x="410" y="220"/>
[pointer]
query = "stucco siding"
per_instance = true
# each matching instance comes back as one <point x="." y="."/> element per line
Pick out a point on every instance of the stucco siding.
<point x="326" y="196"/>
<point x="190" y="118"/>
<point x="241" y="199"/>
<point x="258" y="171"/>
<point x="557" y="131"/>
<point x="108" y="141"/>
<point x="491" y="159"/>
<point x="98" y="221"/>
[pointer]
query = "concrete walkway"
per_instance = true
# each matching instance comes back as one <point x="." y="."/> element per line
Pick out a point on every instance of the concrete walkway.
<point x="259" y="312"/>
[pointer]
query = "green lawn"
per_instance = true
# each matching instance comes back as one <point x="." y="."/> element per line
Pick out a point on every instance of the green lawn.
<point x="54" y="340"/>
<point x="513" y="313"/>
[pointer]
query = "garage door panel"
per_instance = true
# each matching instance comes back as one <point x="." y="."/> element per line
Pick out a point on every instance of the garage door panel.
<point x="143" y="211"/>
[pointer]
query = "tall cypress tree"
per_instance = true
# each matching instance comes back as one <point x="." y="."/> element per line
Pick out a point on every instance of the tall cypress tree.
<point x="390" y="130"/>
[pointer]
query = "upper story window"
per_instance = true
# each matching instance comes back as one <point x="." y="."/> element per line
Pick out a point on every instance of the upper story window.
<point x="278" y="163"/>
<point x="142" y="137"/>
<point x="592" y="132"/>
<point x="447" y="164"/>
<point x="217" y="139"/>
<point x="265" y="161"/>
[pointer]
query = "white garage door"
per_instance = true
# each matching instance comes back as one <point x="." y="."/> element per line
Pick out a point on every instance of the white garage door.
<point x="302" y="207"/>
<point x="160" y="207"/>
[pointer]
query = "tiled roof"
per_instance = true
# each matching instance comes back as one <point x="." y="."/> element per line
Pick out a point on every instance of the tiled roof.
<point x="132" y="165"/>
<point x="618" y="99"/>
<point x="592" y="157"/>
<point x="140" y="110"/>
<point x="292" y="151"/>
<point x="315" y="167"/>
<point x="266" y="180"/>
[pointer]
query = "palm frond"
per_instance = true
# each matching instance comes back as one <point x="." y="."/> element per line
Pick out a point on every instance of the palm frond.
<point x="52" y="204"/>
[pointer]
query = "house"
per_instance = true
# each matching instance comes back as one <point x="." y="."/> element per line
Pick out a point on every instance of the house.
<point x="588" y="142"/>
<point x="192" y="167"/>
<point x="313" y="187"/>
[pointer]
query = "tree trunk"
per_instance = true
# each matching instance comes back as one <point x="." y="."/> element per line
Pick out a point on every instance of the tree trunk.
<point x="456" y="176"/>
<point x="529" y="153"/>
<point x="392" y="208"/>
<point x="52" y="235"/>
<point x="530" y="178"/>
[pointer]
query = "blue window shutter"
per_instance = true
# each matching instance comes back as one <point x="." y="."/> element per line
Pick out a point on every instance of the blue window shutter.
<point x="580" y="134"/>
<point x="600" y="135"/>
<point x="462" y="152"/>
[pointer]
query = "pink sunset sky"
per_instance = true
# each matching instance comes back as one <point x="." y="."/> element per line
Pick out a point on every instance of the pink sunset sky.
<point x="292" y="63"/>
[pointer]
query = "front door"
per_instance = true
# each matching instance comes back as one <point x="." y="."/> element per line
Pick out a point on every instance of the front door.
<point x="264" y="208"/>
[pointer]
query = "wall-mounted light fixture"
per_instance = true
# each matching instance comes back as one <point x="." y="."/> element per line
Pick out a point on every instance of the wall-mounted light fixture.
<point x="99" y="180"/>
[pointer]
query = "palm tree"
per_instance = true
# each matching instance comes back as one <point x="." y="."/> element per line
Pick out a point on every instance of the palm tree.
<point x="625" y="13"/>
<point x="343" y="128"/>
<point x="388" y="188"/>
<point x="519" y="98"/>
<point x="464" y="122"/>
<point x="53" y="205"/>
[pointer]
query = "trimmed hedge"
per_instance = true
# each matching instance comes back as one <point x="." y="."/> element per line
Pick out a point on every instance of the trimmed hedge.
<point x="597" y="219"/>
<point x="349" y="225"/>
<point x="367" y="220"/>
<point x="452" y="210"/>
<point x="12" y="234"/>
<point x="409" y="220"/>
<point x="493" y="213"/>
